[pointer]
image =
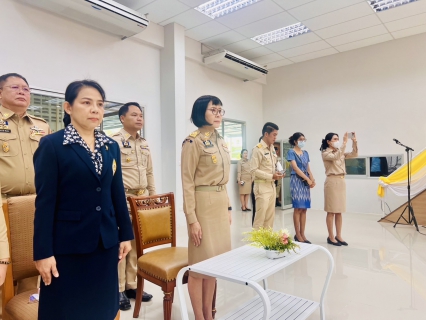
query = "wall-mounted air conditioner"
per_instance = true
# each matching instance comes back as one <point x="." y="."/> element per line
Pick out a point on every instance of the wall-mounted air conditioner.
<point x="230" y="63"/>
<point x="105" y="15"/>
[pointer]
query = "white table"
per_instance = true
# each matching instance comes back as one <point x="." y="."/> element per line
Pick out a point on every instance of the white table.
<point x="248" y="265"/>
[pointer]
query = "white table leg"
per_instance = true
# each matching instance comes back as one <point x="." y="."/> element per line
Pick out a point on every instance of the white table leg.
<point x="265" y="299"/>
<point x="265" y="284"/>
<point x="181" y="295"/>
<point x="327" y="280"/>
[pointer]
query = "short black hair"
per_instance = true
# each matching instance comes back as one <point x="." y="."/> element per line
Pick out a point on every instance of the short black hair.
<point x="328" y="137"/>
<point x="125" y="108"/>
<point x="295" y="137"/>
<point x="268" y="128"/>
<point x="73" y="90"/>
<point x="198" y="115"/>
<point x="242" y="151"/>
<point x="6" y="76"/>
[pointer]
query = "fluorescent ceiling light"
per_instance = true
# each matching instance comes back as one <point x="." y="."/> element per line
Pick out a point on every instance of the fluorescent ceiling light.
<point x="281" y="34"/>
<point x="382" y="5"/>
<point x="218" y="8"/>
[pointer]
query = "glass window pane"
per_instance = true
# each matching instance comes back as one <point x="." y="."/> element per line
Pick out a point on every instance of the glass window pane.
<point x="385" y="165"/>
<point x="48" y="108"/>
<point x="233" y="133"/>
<point x="356" y="166"/>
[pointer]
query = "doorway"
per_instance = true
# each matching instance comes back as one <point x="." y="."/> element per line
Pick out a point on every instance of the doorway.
<point x="284" y="197"/>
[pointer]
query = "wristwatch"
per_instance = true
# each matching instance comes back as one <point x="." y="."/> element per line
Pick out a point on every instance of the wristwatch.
<point x="229" y="208"/>
<point x="5" y="262"/>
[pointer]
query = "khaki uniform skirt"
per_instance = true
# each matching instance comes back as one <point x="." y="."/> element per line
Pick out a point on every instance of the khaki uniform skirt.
<point x="335" y="194"/>
<point x="246" y="188"/>
<point x="211" y="208"/>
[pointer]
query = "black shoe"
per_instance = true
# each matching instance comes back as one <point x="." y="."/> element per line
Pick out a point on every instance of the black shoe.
<point x="307" y="241"/>
<point x="277" y="204"/>
<point x="124" y="302"/>
<point x="132" y="295"/>
<point x="343" y="243"/>
<point x="248" y="209"/>
<point x="337" y="244"/>
<point x="295" y="238"/>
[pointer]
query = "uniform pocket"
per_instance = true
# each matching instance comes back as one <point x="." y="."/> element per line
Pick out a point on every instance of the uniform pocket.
<point x="9" y="145"/>
<point x="34" y="141"/>
<point x="210" y="156"/>
<point x="128" y="158"/>
<point x="145" y="156"/>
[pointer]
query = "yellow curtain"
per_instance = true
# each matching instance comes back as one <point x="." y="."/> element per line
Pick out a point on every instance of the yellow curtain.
<point x="400" y="175"/>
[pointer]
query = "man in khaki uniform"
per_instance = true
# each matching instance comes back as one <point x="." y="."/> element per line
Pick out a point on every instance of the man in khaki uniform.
<point x="20" y="134"/>
<point x="138" y="179"/>
<point x="262" y="166"/>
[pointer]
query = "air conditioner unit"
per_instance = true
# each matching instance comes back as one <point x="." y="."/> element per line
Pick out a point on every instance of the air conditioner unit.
<point x="105" y="15"/>
<point x="230" y="63"/>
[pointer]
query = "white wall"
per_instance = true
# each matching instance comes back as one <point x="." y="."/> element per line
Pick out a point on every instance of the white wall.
<point x="377" y="91"/>
<point x="51" y="51"/>
<point x="241" y="100"/>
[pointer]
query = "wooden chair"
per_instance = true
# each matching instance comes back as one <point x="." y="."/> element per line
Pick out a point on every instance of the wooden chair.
<point x="154" y="224"/>
<point x="19" y="216"/>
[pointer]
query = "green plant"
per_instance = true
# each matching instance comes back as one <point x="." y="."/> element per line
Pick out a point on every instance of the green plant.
<point x="271" y="240"/>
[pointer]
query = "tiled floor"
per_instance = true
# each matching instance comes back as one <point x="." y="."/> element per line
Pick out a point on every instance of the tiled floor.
<point x="380" y="275"/>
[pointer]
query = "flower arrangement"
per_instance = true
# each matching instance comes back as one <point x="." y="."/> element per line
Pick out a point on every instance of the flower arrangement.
<point x="269" y="239"/>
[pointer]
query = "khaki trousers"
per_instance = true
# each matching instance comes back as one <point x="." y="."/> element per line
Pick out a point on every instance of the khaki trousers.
<point x="127" y="270"/>
<point x="279" y="184"/>
<point x="265" y="204"/>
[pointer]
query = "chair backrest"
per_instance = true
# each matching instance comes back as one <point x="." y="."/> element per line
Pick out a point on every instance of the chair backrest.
<point x="21" y="229"/>
<point x="153" y="221"/>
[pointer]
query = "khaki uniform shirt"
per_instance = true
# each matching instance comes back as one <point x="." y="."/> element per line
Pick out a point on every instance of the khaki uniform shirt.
<point x="205" y="161"/>
<point x="19" y="138"/>
<point x="243" y="169"/>
<point x="136" y="162"/>
<point x="263" y="161"/>
<point x="334" y="161"/>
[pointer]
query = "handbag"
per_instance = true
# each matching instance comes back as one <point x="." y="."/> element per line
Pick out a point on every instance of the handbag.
<point x="305" y="182"/>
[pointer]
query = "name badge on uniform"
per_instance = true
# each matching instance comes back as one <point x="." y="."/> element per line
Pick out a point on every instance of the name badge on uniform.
<point x="214" y="158"/>
<point x="208" y="144"/>
<point x="5" y="147"/>
<point x="4" y="126"/>
<point x="126" y="144"/>
<point x="114" y="167"/>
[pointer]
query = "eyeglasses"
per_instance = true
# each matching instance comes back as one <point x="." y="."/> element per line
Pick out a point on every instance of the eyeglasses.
<point x="16" y="88"/>
<point x="217" y="111"/>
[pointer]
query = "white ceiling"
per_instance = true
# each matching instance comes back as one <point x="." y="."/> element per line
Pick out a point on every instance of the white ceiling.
<point x="336" y="26"/>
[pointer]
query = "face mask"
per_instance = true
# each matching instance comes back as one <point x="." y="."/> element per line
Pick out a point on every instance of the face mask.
<point x="336" y="144"/>
<point x="301" y="144"/>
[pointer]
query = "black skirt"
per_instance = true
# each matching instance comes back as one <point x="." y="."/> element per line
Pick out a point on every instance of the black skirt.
<point x="86" y="289"/>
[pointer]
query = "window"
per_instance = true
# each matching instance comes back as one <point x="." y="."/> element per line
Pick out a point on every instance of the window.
<point x="234" y="133"/>
<point x="373" y="166"/>
<point x="49" y="106"/>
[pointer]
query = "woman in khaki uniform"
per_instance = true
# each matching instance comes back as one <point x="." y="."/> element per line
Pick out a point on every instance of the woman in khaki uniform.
<point x="333" y="156"/>
<point x="205" y="166"/>
<point x="244" y="179"/>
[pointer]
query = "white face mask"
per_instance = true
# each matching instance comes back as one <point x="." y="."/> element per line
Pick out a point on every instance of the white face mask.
<point x="336" y="144"/>
<point x="301" y="144"/>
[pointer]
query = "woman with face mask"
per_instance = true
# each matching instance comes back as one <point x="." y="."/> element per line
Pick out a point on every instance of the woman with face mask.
<point x="301" y="181"/>
<point x="244" y="179"/>
<point x="333" y="156"/>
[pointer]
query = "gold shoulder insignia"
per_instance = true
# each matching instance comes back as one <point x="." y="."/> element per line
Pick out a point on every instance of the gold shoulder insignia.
<point x="259" y="145"/>
<point x="195" y="133"/>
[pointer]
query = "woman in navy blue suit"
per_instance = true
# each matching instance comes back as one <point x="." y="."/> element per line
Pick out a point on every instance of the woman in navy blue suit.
<point x="81" y="227"/>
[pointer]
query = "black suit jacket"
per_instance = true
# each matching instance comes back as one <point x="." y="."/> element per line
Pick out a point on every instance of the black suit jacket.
<point x="75" y="207"/>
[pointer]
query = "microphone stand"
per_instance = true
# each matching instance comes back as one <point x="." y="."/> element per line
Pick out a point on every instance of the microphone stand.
<point x="409" y="207"/>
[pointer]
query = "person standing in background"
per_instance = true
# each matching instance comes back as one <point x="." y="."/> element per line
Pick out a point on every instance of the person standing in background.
<point x="301" y="181"/>
<point x="263" y="168"/>
<point x="20" y="134"/>
<point x="333" y="156"/>
<point x="244" y="179"/>
<point x="138" y="179"/>
<point x="205" y="163"/>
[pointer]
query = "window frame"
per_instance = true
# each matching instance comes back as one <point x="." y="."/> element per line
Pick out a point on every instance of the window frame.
<point x="243" y="133"/>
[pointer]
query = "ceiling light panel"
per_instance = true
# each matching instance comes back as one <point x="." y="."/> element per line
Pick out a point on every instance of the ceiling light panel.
<point x="218" y="8"/>
<point x="292" y="31"/>
<point x="382" y="5"/>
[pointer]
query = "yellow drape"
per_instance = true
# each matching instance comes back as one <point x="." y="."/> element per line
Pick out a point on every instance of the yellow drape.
<point x="400" y="175"/>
